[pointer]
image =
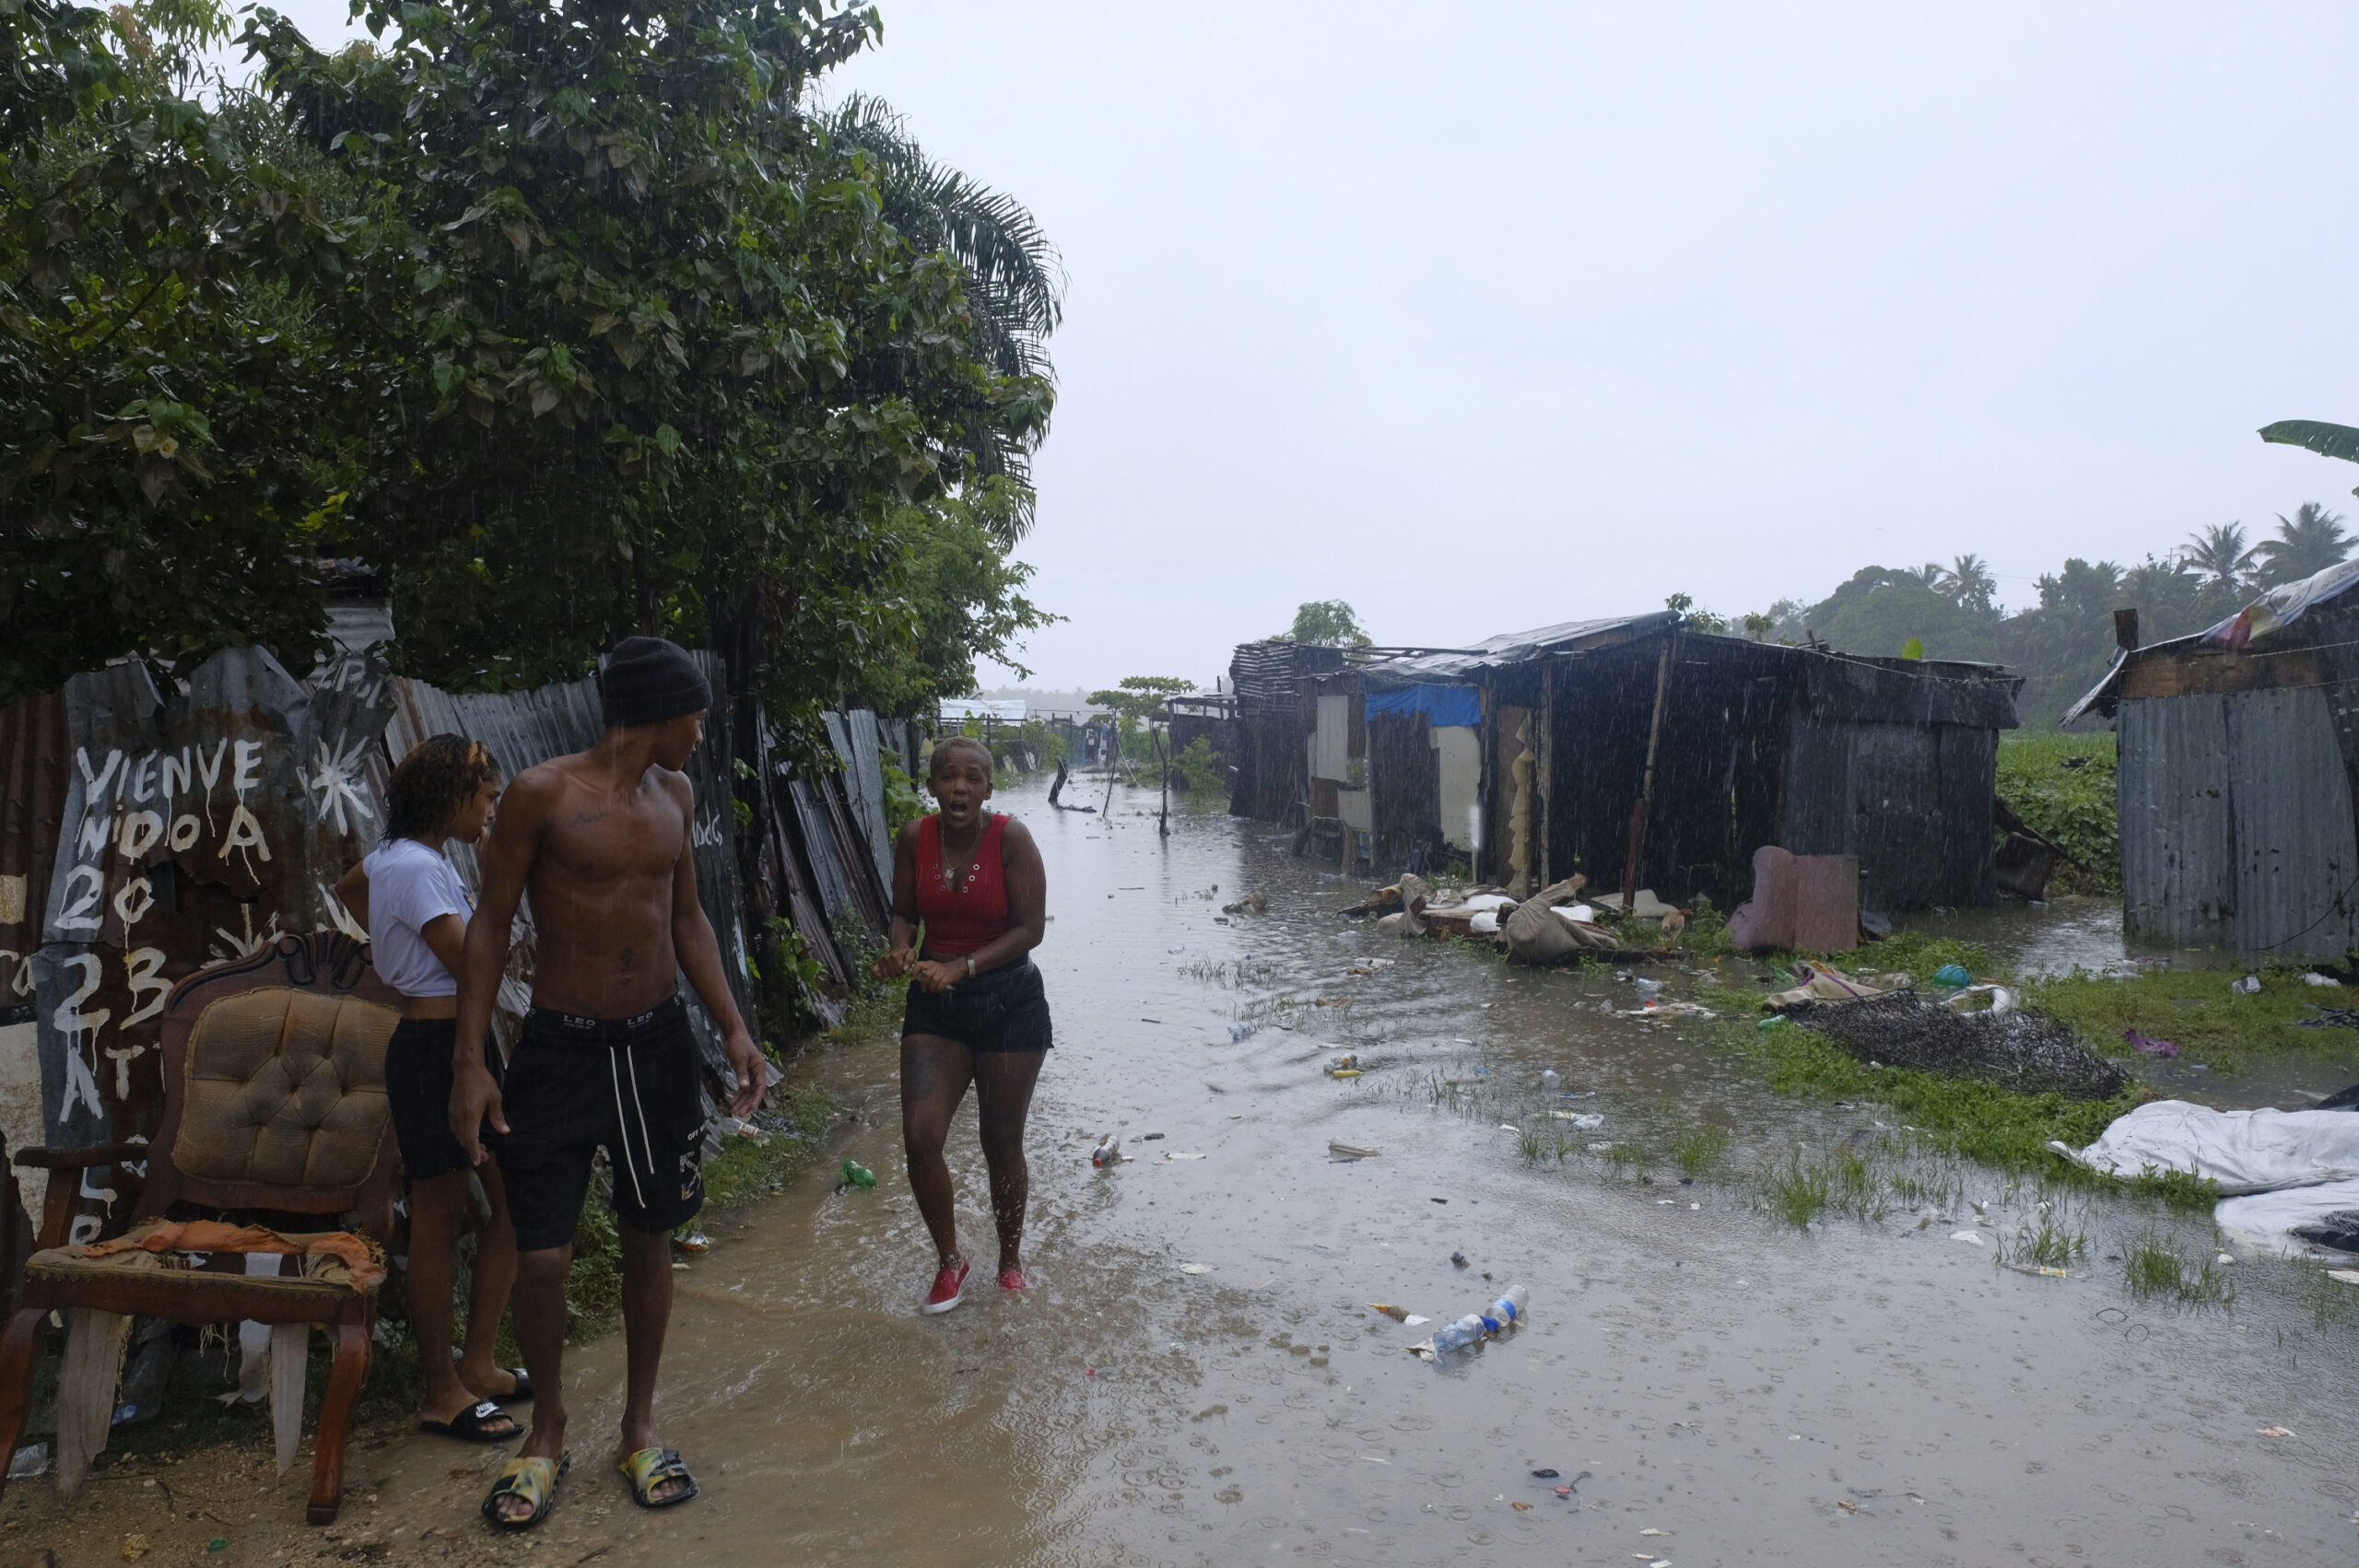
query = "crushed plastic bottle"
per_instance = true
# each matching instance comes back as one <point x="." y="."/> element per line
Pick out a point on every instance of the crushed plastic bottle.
<point x="1107" y="1152"/>
<point x="1650" y="993"/>
<point x="2248" y="985"/>
<point x="1500" y="1315"/>
<point x="857" y="1174"/>
<point x="1459" y="1335"/>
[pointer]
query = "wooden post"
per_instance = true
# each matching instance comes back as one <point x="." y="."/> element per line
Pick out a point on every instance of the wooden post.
<point x="1647" y="786"/>
<point x="1547" y="769"/>
<point x="1163" y="761"/>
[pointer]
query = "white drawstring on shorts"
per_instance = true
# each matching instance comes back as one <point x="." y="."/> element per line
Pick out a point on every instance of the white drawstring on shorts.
<point x="614" y="1074"/>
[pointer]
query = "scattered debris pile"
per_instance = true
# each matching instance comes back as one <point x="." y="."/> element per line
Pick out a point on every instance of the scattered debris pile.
<point x="2022" y="1049"/>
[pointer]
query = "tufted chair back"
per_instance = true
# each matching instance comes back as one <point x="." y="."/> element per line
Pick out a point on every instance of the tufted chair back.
<point x="284" y="1087"/>
<point x="275" y="1086"/>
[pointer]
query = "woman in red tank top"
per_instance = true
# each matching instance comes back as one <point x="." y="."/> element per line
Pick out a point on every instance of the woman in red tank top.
<point x="977" y="1013"/>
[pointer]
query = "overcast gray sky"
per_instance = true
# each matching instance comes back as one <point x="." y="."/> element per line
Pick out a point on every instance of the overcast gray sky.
<point x="1486" y="318"/>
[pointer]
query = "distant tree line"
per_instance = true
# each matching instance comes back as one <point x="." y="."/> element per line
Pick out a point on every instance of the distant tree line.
<point x="2063" y="644"/>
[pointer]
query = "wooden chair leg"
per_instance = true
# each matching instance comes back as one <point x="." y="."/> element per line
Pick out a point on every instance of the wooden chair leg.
<point x="345" y="1377"/>
<point x="16" y="1347"/>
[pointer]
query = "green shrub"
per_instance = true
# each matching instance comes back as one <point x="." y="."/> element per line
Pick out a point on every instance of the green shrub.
<point x="1197" y="769"/>
<point x="2062" y="788"/>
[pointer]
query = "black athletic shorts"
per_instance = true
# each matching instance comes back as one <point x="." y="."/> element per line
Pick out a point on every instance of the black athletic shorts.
<point x="628" y="1085"/>
<point x="999" y="1009"/>
<point x="417" y="1081"/>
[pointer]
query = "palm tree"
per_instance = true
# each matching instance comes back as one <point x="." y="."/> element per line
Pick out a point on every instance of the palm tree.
<point x="1014" y="278"/>
<point x="2219" y="555"/>
<point x="2307" y="544"/>
<point x="1967" y="580"/>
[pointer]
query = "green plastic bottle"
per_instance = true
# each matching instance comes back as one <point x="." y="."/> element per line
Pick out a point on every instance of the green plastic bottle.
<point x="857" y="1174"/>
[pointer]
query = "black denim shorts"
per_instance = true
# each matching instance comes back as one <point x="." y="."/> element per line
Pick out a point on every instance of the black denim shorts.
<point x="628" y="1085"/>
<point x="999" y="1009"/>
<point x="417" y="1083"/>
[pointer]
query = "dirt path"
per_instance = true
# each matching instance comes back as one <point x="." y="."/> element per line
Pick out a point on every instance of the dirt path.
<point x="1735" y="1391"/>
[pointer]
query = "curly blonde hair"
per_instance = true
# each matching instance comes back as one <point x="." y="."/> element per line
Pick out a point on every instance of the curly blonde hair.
<point x="431" y="783"/>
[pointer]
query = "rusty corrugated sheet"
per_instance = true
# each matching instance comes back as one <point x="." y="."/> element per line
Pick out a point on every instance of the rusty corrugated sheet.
<point x="2236" y="824"/>
<point x="33" y="801"/>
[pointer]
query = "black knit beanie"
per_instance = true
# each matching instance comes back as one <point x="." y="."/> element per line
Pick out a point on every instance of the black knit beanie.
<point x="648" y="679"/>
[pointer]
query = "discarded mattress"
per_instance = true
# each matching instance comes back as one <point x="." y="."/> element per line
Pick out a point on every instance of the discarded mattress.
<point x="2241" y="1151"/>
<point x="2295" y="1222"/>
<point x="1806" y="902"/>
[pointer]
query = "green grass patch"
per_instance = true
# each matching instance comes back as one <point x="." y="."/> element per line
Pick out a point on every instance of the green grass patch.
<point x="2196" y="1011"/>
<point x="1798" y="1191"/>
<point x="1963" y="1116"/>
<point x="2153" y="1265"/>
<point x="1699" y="1151"/>
<point x="2062" y="786"/>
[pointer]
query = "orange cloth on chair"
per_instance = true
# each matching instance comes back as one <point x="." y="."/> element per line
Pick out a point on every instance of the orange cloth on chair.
<point x="212" y="1235"/>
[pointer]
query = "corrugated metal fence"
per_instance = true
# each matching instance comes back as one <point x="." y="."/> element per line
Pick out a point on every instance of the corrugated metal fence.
<point x="143" y="836"/>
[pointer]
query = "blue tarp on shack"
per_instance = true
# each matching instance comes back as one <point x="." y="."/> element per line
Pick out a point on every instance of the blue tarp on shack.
<point x="1440" y="705"/>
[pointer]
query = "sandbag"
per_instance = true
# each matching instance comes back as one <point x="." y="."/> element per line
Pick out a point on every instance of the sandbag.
<point x="1536" y="935"/>
<point x="2241" y="1151"/>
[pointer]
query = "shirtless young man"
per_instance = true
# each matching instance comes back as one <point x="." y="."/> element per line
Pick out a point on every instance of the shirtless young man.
<point x="602" y="842"/>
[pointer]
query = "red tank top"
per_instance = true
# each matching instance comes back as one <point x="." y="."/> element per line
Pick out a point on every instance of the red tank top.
<point x="961" y="918"/>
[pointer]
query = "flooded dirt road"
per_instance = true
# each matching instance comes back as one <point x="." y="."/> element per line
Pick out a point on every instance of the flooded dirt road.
<point x="1717" y="1386"/>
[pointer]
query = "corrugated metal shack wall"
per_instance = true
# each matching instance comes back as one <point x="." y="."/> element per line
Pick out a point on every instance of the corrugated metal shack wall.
<point x="1276" y="713"/>
<point x="193" y="830"/>
<point x="2236" y="824"/>
<point x="1404" y="789"/>
<point x="1896" y="761"/>
<point x="525" y="729"/>
<point x="1718" y="768"/>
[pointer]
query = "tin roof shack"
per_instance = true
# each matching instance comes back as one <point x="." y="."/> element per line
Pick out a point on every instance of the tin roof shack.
<point x="2238" y="753"/>
<point x="1596" y="737"/>
<point x="1277" y="713"/>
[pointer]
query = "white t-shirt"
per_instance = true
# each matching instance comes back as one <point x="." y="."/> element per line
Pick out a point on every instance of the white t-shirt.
<point x="410" y="888"/>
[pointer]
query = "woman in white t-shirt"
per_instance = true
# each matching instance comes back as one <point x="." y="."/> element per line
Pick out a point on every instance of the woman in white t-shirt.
<point x="408" y="894"/>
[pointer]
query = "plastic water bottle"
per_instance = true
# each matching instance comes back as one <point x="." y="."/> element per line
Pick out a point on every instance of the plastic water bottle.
<point x="1458" y="1335"/>
<point x="1105" y="1153"/>
<point x="1650" y="993"/>
<point x="1549" y="1082"/>
<point x="1507" y="1310"/>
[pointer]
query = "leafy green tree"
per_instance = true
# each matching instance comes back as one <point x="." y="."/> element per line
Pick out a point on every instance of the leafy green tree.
<point x="963" y="599"/>
<point x="2220" y="555"/>
<point x="1881" y="608"/>
<point x="1326" y="622"/>
<point x="645" y="355"/>
<point x="1967" y="580"/>
<point x="1014" y="278"/>
<point x="163" y="483"/>
<point x="2307" y="544"/>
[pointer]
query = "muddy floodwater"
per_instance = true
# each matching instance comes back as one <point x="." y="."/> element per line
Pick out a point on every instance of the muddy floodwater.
<point x="1198" y="1377"/>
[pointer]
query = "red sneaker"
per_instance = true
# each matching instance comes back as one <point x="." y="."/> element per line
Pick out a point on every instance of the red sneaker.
<point x="1014" y="1279"/>
<point x="949" y="1288"/>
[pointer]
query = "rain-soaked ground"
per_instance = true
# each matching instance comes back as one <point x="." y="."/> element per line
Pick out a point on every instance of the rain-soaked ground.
<point x="1198" y="1379"/>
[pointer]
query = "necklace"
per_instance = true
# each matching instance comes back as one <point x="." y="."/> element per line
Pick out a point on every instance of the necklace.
<point x="948" y="876"/>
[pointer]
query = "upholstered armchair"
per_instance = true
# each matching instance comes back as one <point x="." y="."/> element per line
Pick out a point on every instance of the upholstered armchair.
<point x="273" y="1108"/>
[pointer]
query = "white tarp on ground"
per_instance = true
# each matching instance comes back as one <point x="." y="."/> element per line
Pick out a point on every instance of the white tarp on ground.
<point x="2268" y="1219"/>
<point x="2241" y="1151"/>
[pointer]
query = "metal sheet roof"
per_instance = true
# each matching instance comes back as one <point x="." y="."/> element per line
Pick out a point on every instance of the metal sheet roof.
<point x="1513" y="648"/>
